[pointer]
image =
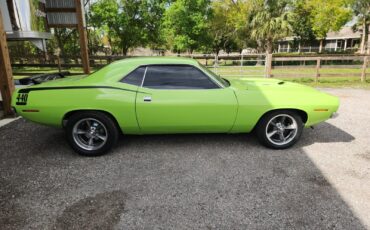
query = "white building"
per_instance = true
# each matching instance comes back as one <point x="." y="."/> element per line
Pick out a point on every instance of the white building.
<point x="344" y="40"/>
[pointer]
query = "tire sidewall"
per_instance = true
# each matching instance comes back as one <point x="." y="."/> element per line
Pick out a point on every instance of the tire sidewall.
<point x="261" y="129"/>
<point x="101" y="117"/>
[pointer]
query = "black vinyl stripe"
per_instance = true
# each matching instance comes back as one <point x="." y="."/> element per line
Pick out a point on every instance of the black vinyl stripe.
<point x="27" y="90"/>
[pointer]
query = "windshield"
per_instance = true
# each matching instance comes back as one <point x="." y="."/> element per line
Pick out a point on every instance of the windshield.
<point x="222" y="81"/>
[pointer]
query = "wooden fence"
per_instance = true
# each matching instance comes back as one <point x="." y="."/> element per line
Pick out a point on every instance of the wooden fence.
<point x="318" y="67"/>
<point x="250" y="65"/>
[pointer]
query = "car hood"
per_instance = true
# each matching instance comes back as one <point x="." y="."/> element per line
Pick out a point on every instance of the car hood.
<point x="283" y="93"/>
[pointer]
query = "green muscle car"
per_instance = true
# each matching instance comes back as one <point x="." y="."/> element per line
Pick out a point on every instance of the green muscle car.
<point x="171" y="95"/>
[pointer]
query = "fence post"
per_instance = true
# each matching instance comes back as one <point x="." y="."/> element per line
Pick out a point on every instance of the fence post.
<point x="364" y="66"/>
<point x="6" y="73"/>
<point x="59" y="64"/>
<point x="241" y="64"/>
<point x="57" y="56"/>
<point x="268" y="65"/>
<point x="215" y="65"/>
<point x="318" y="65"/>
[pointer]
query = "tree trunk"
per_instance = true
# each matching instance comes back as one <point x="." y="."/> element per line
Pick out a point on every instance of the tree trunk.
<point x="124" y="51"/>
<point x="191" y="52"/>
<point x="259" y="51"/>
<point x="363" y="39"/>
<point x="217" y="51"/>
<point x="368" y="40"/>
<point x="269" y="47"/>
<point x="321" y="45"/>
<point x="89" y="43"/>
<point x="60" y="45"/>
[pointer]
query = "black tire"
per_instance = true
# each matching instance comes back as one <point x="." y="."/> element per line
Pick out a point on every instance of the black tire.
<point x="100" y="120"/>
<point x="262" y="129"/>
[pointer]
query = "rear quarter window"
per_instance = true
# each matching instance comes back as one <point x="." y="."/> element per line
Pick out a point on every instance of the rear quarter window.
<point x="135" y="77"/>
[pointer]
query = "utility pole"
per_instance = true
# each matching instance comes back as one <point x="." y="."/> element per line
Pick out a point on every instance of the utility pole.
<point x="83" y="36"/>
<point x="6" y="74"/>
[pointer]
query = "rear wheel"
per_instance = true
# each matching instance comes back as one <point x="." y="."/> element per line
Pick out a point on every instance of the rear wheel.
<point x="91" y="133"/>
<point x="279" y="129"/>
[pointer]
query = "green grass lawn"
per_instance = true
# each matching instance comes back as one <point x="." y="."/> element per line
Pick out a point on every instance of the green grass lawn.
<point x="259" y="70"/>
<point x="253" y="71"/>
<point x="325" y="81"/>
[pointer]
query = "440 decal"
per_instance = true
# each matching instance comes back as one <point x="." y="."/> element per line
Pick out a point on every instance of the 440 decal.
<point x="22" y="98"/>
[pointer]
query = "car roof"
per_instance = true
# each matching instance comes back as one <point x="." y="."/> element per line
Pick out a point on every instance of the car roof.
<point x="156" y="60"/>
<point x="116" y="70"/>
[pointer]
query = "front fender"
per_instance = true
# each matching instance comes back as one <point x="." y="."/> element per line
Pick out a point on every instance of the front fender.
<point x="253" y="104"/>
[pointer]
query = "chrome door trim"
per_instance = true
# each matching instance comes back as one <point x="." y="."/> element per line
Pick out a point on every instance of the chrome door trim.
<point x="142" y="81"/>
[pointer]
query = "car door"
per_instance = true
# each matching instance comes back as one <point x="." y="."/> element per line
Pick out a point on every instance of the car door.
<point x="183" y="99"/>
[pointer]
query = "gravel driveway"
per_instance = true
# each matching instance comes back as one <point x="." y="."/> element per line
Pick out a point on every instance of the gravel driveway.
<point x="191" y="181"/>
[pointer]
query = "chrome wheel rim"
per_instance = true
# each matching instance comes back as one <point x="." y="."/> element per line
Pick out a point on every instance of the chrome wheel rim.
<point x="281" y="129"/>
<point x="90" y="134"/>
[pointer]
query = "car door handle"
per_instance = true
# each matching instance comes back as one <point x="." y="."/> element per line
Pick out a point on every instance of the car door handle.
<point x="147" y="98"/>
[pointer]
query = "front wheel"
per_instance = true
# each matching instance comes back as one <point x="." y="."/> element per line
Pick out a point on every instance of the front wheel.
<point x="91" y="133"/>
<point x="279" y="129"/>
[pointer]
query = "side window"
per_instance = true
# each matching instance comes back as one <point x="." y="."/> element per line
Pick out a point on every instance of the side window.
<point x="135" y="77"/>
<point x="177" y="77"/>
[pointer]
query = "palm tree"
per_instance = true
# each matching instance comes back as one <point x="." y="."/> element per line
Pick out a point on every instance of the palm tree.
<point x="361" y="9"/>
<point x="270" y="21"/>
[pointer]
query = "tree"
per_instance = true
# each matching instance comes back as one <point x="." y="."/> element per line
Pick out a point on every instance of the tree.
<point x="220" y="31"/>
<point x="240" y="11"/>
<point x="301" y="23"/>
<point x="270" y="20"/>
<point x="328" y="15"/>
<point x="95" y="40"/>
<point x="361" y="9"/>
<point x="67" y="41"/>
<point x="129" y="22"/>
<point x="152" y="14"/>
<point x="185" y="24"/>
<point x="228" y="29"/>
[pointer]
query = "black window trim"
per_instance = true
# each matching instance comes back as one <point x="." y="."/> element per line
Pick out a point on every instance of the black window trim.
<point x="121" y="80"/>
<point x="219" y="85"/>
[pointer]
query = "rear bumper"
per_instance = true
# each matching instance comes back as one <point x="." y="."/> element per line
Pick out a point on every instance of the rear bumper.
<point x="334" y="115"/>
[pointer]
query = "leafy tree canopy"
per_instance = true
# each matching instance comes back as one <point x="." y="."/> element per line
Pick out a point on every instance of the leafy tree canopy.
<point x="269" y="21"/>
<point x="131" y="22"/>
<point x="211" y="25"/>
<point x="301" y="21"/>
<point x="328" y="15"/>
<point x="228" y="28"/>
<point x="185" y="24"/>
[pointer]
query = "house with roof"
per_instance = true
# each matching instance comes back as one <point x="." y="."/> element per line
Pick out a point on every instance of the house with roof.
<point x="344" y="40"/>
